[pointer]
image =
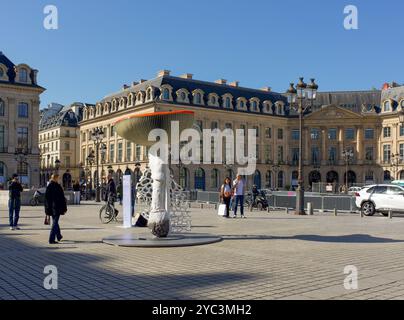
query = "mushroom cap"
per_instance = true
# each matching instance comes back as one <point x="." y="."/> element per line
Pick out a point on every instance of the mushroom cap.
<point x="136" y="128"/>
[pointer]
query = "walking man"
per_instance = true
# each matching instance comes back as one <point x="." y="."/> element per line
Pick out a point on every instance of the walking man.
<point x="239" y="189"/>
<point x="55" y="206"/>
<point x="14" y="202"/>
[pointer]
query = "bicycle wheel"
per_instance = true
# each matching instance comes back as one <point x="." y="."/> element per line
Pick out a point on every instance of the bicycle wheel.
<point x="107" y="214"/>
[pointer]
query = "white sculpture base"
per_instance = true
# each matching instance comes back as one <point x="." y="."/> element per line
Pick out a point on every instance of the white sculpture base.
<point x="159" y="217"/>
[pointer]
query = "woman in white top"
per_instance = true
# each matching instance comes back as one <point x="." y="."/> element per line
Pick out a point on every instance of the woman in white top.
<point x="226" y="193"/>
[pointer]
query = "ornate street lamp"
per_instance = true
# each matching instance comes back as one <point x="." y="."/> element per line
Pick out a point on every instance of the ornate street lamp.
<point x="296" y="98"/>
<point x="347" y="155"/>
<point x="396" y="160"/>
<point x="275" y="169"/>
<point x="97" y="135"/>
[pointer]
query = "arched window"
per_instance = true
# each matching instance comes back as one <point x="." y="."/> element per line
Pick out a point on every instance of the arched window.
<point x="254" y="106"/>
<point x="228" y="103"/>
<point x="214" y="178"/>
<point x="200" y="179"/>
<point x="241" y="104"/>
<point x="213" y="99"/>
<point x="280" y="179"/>
<point x="1" y="108"/>
<point x="387" y="106"/>
<point x="3" y="177"/>
<point x="198" y="98"/>
<point x="1" y="72"/>
<point x="369" y="176"/>
<point x="166" y="94"/>
<point x="23" y="75"/>
<point x="184" y="178"/>
<point x="268" y="179"/>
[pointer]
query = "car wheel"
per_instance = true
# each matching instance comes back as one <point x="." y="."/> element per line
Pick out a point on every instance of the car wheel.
<point x="368" y="209"/>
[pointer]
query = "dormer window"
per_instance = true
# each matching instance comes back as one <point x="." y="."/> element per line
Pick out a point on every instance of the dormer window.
<point x="166" y="94"/>
<point x="213" y="100"/>
<point x="106" y="108"/>
<point x="387" y="106"/>
<point x="131" y="99"/>
<point x="402" y="104"/>
<point x="139" y="98"/>
<point x="279" y="107"/>
<point x="149" y="94"/>
<point x="254" y="105"/>
<point x="2" y="72"/>
<point x="267" y="107"/>
<point x="198" y="97"/>
<point x="23" y="75"/>
<point x="227" y="101"/>
<point x="182" y="96"/>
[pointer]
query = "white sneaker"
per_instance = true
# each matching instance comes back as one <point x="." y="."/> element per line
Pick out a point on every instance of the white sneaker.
<point x="12" y="228"/>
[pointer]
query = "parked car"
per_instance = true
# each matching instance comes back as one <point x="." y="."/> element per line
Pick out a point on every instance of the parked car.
<point x="353" y="190"/>
<point x="380" y="198"/>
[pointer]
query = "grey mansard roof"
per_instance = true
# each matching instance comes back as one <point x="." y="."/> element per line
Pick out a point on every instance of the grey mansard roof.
<point x="207" y="87"/>
<point x="352" y="100"/>
<point x="57" y="115"/>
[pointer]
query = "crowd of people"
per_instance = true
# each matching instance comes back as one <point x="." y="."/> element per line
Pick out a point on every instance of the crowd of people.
<point x="55" y="203"/>
<point x="233" y="191"/>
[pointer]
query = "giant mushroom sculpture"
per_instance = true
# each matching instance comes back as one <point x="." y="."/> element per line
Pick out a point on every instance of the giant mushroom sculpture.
<point x="136" y="128"/>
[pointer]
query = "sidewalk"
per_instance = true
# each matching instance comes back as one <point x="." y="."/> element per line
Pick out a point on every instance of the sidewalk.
<point x="266" y="256"/>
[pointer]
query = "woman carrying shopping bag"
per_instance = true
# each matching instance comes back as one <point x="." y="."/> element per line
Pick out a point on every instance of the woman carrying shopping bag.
<point x="226" y="193"/>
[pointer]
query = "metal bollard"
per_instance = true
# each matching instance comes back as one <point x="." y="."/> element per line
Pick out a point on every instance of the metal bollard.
<point x="335" y="212"/>
<point x="390" y="214"/>
<point x="361" y="213"/>
<point x="287" y="211"/>
<point x="310" y="209"/>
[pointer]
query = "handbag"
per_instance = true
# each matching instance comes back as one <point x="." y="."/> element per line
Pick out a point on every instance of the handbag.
<point x="222" y="210"/>
<point x="47" y="221"/>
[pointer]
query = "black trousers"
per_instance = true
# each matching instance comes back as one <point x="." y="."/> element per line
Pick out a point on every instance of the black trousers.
<point x="226" y="201"/>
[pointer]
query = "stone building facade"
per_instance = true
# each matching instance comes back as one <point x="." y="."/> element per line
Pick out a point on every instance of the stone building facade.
<point x="337" y="122"/>
<point x="59" y="142"/>
<point x="19" y="117"/>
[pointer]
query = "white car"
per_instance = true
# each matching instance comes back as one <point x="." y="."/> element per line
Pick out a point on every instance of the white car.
<point x="380" y="198"/>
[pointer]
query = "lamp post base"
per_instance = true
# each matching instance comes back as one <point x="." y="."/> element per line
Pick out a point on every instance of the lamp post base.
<point x="300" y="202"/>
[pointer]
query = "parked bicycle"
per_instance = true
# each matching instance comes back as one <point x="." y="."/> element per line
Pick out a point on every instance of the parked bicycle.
<point x="108" y="212"/>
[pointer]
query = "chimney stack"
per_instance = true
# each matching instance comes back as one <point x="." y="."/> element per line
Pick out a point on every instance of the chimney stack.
<point x="125" y="86"/>
<point x="135" y="83"/>
<point x="142" y="80"/>
<point x="163" y="73"/>
<point x="221" y="81"/>
<point x="267" y="89"/>
<point x="187" y="76"/>
<point x="234" y="83"/>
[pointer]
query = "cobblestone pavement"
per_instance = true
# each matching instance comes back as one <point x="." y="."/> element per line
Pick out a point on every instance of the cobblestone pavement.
<point x="266" y="256"/>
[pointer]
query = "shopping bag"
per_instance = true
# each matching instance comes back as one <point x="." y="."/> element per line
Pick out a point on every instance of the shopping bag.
<point x="222" y="210"/>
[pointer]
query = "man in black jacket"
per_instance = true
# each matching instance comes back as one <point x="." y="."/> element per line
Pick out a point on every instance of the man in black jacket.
<point x="14" y="202"/>
<point x="55" y="206"/>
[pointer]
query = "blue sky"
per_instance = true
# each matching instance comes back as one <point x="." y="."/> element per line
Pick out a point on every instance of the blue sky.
<point x="100" y="45"/>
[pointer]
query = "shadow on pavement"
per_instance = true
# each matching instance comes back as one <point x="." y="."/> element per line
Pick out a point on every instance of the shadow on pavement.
<point x="353" y="238"/>
<point x="82" y="275"/>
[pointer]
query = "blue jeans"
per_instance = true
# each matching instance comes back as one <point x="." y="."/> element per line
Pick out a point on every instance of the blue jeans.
<point x="239" y="201"/>
<point x="55" y="231"/>
<point x="14" y="206"/>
